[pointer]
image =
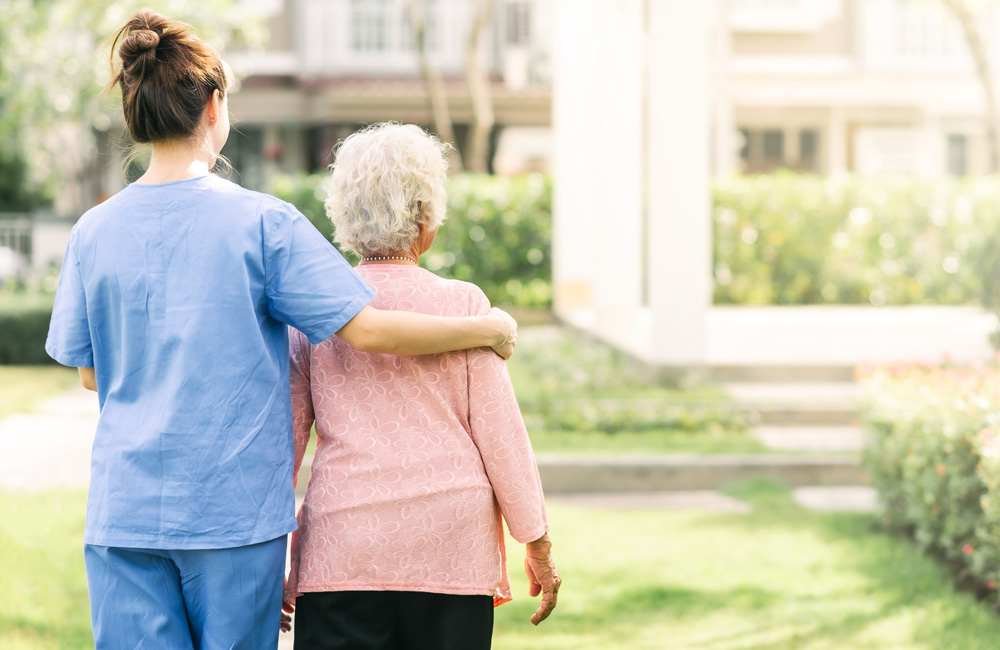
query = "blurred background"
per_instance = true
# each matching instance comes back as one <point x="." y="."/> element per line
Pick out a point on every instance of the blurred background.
<point x="754" y="246"/>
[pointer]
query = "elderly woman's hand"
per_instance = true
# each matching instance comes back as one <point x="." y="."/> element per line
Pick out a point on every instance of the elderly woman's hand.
<point x="506" y="347"/>
<point x="287" y="609"/>
<point x="542" y="576"/>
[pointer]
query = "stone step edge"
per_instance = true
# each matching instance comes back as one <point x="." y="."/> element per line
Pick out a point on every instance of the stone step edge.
<point x="579" y="474"/>
<point x="780" y="373"/>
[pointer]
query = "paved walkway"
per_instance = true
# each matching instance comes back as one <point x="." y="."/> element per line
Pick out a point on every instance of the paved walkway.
<point x="50" y="447"/>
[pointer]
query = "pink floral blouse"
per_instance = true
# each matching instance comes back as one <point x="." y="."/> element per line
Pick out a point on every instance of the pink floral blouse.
<point x="417" y="458"/>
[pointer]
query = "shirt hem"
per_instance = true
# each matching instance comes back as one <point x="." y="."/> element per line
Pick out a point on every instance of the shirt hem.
<point x="338" y="321"/>
<point x="81" y="360"/>
<point x="189" y="543"/>
<point x="313" y="587"/>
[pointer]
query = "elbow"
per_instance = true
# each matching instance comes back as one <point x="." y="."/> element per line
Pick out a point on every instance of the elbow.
<point x="371" y="339"/>
<point x="89" y="383"/>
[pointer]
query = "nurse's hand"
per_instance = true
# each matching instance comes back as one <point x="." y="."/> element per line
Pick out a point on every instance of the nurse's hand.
<point x="287" y="609"/>
<point x="509" y="326"/>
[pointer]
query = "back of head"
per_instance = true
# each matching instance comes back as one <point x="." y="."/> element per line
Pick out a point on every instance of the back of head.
<point x="167" y="76"/>
<point x="385" y="178"/>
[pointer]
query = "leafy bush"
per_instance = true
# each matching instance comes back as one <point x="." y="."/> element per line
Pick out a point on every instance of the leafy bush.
<point x="935" y="460"/>
<point x="790" y="239"/>
<point x="24" y="324"/>
<point x="567" y="382"/>
<point x="498" y="233"/>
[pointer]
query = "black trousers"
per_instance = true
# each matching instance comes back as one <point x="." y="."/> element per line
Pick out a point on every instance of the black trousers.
<point x="392" y="620"/>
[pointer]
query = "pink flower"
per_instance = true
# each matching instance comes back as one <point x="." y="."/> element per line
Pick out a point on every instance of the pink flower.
<point x="991" y="584"/>
<point x="967" y="549"/>
<point x="940" y="470"/>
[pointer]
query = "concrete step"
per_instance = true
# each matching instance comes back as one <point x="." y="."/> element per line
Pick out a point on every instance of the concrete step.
<point x="668" y="472"/>
<point x="780" y="373"/>
<point x="799" y="403"/>
<point x="811" y="438"/>
<point x="812" y="415"/>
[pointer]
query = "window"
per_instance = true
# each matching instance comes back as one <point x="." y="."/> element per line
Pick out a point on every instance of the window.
<point x="774" y="146"/>
<point x="383" y="26"/>
<point x="808" y="140"/>
<point x="518" y="23"/>
<point x="762" y="150"/>
<point x="370" y="25"/>
<point x="958" y="156"/>
<point x="245" y="151"/>
<point x="407" y="41"/>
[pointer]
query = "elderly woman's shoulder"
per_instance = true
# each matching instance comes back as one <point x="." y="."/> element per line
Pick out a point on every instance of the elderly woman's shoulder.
<point x="469" y="294"/>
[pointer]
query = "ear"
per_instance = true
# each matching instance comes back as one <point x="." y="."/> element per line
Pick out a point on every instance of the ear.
<point x="424" y="217"/>
<point x="214" y="106"/>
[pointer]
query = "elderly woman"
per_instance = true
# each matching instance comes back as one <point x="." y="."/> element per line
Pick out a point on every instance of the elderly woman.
<point x="400" y="541"/>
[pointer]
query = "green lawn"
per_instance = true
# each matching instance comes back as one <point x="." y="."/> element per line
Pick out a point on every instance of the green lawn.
<point x="774" y="579"/>
<point x="644" y="442"/>
<point x="24" y="386"/>
<point x="43" y="588"/>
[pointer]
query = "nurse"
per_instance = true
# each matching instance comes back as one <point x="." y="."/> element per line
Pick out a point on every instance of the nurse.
<point x="173" y="303"/>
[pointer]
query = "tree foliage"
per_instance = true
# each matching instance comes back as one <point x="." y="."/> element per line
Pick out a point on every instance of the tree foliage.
<point x="54" y="60"/>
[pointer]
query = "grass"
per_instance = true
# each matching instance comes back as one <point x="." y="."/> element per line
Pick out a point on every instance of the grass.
<point x="43" y="588"/>
<point x="24" y="386"/>
<point x="645" y="442"/>
<point x="778" y="578"/>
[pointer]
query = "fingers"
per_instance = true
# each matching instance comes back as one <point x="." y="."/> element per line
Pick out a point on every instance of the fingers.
<point x="550" y="595"/>
<point x="506" y="348"/>
<point x="542" y="578"/>
<point x="287" y="609"/>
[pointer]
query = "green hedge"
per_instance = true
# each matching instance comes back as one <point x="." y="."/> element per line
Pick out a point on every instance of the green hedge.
<point x="498" y="233"/>
<point x="934" y="458"/>
<point x="779" y="239"/>
<point x="24" y="324"/>
<point x="792" y="239"/>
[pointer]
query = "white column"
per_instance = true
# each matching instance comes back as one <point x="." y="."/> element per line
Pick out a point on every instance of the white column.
<point x="680" y="256"/>
<point x="597" y="124"/>
<point x="618" y="136"/>
<point x="726" y="149"/>
<point x="574" y="118"/>
<point x="836" y="141"/>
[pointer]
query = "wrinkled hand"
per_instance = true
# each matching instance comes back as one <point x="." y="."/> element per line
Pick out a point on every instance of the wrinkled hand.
<point x="287" y="609"/>
<point x="542" y="576"/>
<point x="506" y="348"/>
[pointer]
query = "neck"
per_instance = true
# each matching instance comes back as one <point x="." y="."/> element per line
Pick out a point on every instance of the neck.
<point x="177" y="161"/>
<point x="399" y="257"/>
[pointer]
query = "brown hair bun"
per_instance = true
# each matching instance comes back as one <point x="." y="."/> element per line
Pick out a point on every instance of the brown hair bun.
<point x="138" y="51"/>
<point x="167" y="76"/>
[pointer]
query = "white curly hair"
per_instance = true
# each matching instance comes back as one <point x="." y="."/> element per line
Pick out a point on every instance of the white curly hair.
<point x="382" y="176"/>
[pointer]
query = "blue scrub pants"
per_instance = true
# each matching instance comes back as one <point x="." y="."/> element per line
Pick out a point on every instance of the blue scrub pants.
<point x="215" y="599"/>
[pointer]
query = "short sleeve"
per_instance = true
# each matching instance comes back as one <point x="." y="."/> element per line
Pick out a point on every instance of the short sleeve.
<point x="309" y="284"/>
<point x="69" y="341"/>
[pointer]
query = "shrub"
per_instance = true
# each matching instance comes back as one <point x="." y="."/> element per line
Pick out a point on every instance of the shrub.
<point x="24" y="324"/>
<point x="934" y="458"/>
<point x="791" y="239"/>
<point x="498" y="233"/>
<point x="568" y="382"/>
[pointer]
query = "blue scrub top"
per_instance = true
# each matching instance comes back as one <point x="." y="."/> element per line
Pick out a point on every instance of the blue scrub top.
<point x="178" y="295"/>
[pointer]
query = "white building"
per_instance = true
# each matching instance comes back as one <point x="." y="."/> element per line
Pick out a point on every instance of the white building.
<point x="867" y="86"/>
<point x="669" y="92"/>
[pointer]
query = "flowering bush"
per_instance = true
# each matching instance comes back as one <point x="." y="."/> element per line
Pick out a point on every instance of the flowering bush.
<point x="934" y="458"/>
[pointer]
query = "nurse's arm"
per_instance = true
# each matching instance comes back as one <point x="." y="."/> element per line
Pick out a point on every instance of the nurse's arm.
<point x="88" y="379"/>
<point x="400" y="332"/>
